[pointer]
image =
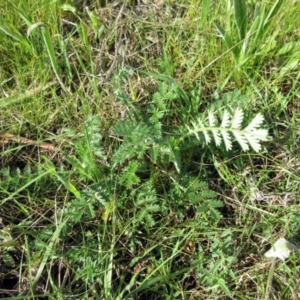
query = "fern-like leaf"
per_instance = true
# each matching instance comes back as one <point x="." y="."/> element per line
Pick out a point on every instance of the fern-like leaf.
<point x="224" y="132"/>
<point x="237" y="119"/>
<point x="216" y="134"/>
<point x="128" y="176"/>
<point x="255" y="123"/>
<point x="230" y="127"/>
<point x="124" y="128"/>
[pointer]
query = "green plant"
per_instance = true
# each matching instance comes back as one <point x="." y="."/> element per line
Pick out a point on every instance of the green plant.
<point x="247" y="41"/>
<point x="144" y="194"/>
<point x="145" y="133"/>
<point x="218" y="270"/>
<point x="47" y="41"/>
<point x="132" y="167"/>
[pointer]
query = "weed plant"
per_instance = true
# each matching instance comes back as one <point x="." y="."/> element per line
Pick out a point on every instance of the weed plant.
<point x="149" y="149"/>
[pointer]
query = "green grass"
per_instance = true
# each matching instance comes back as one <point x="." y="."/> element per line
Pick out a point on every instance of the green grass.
<point x="112" y="185"/>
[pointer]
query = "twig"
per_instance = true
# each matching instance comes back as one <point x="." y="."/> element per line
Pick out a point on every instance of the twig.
<point x="6" y="137"/>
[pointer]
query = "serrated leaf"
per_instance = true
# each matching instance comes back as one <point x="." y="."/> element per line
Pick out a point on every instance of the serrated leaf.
<point x="8" y="259"/>
<point x="252" y="135"/>
<point x="216" y="203"/>
<point x="254" y="142"/>
<point x="237" y="119"/>
<point x="162" y="88"/>
<point x="241" y="140"/>
<point x="217" y="137"/>
<point x="125" y="151"/>
<point x="91" y="211"/>
<point x="128" y="176"/>
<point x="211" y="119"/>
<point x="225" y="120"/>
<point x="226" y="139"/>
<point x="124" y="128"/>
<point x="255" y="123"/>
<point x="175" y="156"/>
<point x="206" y="136"/>
<point x="205" y="133"/>
<point x="261" y="134"/>
<point x="154" y="208"/>
<point x="196" y="133"/>
<point x="156" y="97"/>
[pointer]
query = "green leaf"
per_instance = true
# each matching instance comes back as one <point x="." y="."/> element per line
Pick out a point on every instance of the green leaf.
<point x="128" y="176"/>
<point x="50" y="49"/>
<point x="240" y="13"/>
<point x="272" y="13"/>
<point x="124" y="128"/>
<point x="226" y="36"/>
<point x="235" y="49"/>
<point x="223" y="286"/>
<point x="91" y="211"/>
<point x="76" y="164"/>
<point x="204" y="11"/>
